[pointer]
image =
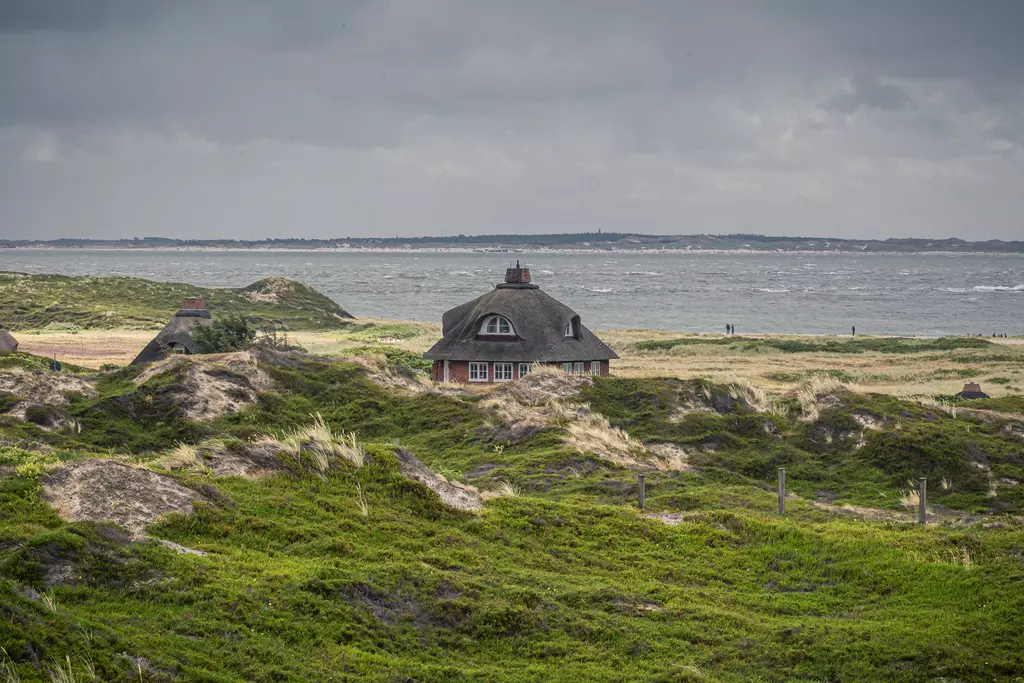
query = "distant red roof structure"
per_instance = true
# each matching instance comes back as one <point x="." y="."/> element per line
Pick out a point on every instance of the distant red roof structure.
<point x="972" y="390"/>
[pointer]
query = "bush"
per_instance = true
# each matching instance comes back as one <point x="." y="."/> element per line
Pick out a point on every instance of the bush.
<point x="230" y="333"/>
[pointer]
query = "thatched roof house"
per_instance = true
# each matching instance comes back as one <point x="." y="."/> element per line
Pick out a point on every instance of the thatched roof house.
<point x="176" y="337"/>
<point x="498" y="336"/>
<point x="971" y="390"/>
<point x="7" y="341"/>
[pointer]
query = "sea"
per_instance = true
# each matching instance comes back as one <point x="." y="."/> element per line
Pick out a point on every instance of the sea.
<point x="805" y="293"/>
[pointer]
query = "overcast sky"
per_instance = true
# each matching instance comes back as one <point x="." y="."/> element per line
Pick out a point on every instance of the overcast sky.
<point x="326" y="118"/>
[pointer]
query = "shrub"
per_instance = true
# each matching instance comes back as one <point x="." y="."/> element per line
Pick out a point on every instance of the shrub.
<point x="230" y="333"/>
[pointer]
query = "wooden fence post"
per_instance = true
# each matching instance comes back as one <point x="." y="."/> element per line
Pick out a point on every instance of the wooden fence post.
<point x="782" y="490"/>
<point x="643" y="488"/>
<point x="922" y="503"/>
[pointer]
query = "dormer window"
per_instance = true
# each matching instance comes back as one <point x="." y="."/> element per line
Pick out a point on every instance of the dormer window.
<point x="497" y="325"/>
<point x="568" y="329"/>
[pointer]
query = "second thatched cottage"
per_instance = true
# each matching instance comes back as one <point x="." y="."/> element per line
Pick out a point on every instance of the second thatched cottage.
<point x="498" y="337"/>
<point x="176" y="336"/>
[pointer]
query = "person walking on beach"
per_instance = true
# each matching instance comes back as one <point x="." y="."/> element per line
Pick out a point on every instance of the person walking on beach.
<point x="853" y="331"/>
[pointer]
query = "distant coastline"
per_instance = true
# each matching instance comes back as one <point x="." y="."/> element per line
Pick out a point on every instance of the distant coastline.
<point x="470" y="250"/>
<point x="565" y="243"/>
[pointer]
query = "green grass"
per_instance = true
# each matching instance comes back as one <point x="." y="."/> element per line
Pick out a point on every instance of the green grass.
<point x="58" y="302"/>
<point x="565" y="582"/>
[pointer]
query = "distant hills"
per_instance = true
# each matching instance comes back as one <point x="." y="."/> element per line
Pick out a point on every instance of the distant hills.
<point x="594" y="241"/>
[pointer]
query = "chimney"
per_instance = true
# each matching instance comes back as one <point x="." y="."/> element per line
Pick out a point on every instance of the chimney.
<point x="193" y="303"/>
<point x="517" y="275"/>
<point x="972" y="388"/>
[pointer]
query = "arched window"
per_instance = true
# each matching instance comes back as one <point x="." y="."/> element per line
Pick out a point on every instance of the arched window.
<point x="497" y="325"/>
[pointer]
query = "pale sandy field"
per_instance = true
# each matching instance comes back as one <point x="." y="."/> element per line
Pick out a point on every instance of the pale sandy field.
<point x="940" y="372"/>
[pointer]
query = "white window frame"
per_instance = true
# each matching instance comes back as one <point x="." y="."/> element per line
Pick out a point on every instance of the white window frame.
<point x="525" y="369"/>
<point x="475" y="368"/>
<point x="595" y="367"/>
<point x="503" y="372"/>
<point x="568" y="329"/>
<point x="578" y="368"/>
<point x="567" y="368"/>
<point x="497" y="322"/>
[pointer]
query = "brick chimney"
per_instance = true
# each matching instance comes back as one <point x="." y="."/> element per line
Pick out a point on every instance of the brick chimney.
<point x="517" y="275"/>
<point x="194" y="303"/>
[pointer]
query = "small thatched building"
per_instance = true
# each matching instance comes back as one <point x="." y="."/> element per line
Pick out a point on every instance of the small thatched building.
<point x="971" y="390"/>
<point x="176" y="337"/>
<point x="7" y="341"/>
<point x="498" y="336"/>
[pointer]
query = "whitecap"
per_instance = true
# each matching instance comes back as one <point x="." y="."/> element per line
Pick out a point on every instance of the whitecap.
<point x="998" y="288"/>
<point x="642" y="272"/>
<point x="769" y="290"/>
<point x="601" y="291"/>
<point x="547" y="272"/>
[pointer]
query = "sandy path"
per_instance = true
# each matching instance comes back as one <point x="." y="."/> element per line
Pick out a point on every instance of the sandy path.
<point x="91" y="348"/>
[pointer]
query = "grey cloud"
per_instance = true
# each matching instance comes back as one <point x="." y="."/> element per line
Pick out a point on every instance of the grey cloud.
<point x="867" y="92"/>
<point x="467" y="116"/>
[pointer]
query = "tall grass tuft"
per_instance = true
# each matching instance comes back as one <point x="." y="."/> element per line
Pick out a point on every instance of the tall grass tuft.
<point x="61" y="672"/>
<point x="911" y="498"/>
<point x="49" y="600"/>
<point x="809" y="394"/>
<point x="592" y="433"/>
<point x="8" y="671"/>
<point x="182" y="456"/>
<point x="364" y="508"/>
<point x="317" y="445"/>
<point x="502" y="489"/>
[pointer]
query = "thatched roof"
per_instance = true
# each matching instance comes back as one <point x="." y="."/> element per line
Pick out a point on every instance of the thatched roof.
<point x="971" y="390"/>
<point x="7" y="341"/>
<point x="539" y="322"/>
<point x="176" y="335"/>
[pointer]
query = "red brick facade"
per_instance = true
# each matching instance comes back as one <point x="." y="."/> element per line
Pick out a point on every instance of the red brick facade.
<point x="458" y="371"/>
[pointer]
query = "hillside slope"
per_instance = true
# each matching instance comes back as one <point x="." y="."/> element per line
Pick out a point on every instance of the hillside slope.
<point x="113" y="302"/>
<point x="304" y="550"/>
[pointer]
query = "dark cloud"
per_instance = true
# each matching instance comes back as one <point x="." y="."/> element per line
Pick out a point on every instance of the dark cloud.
<point x="464" y="116"/>
<point x="21" y="16"/>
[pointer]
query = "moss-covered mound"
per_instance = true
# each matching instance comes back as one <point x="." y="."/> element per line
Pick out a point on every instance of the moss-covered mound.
<point x="64" y="302"/>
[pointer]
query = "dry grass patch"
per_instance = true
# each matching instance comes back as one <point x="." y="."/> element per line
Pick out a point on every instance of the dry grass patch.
<point x="317" y="446"/>
<point x="592" y="433"/>
<point x="817" y="393"/>
<point x="911" y="498"/>
<point x="502" y="489"/>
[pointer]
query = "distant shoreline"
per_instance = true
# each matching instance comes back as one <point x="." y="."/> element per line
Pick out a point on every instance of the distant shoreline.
<point x="484" y="250"/>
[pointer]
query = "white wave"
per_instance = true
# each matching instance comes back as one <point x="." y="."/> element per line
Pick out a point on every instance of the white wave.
<point x="998" y="288"/>
<point x="547" y="272"/>
<point x="642" y="272"/>
<point x="769" y="290"/>
<point x="601" y="291"/>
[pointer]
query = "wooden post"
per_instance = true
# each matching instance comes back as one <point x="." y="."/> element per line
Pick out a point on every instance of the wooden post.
<point x="782" y="490"/>
<point x="922" y="504"/>
<point x="643" y="489"/>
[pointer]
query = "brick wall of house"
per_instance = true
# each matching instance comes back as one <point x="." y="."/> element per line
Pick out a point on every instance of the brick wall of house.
<point x="458" y="371"/>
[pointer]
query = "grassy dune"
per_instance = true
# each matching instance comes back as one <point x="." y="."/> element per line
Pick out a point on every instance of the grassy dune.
<point x="328" y="571"/>
<point x="61" y="303"/>
<point x="311" y="553"/>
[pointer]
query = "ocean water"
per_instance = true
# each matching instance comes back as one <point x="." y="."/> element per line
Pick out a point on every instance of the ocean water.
<point x="923" y="294"/>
